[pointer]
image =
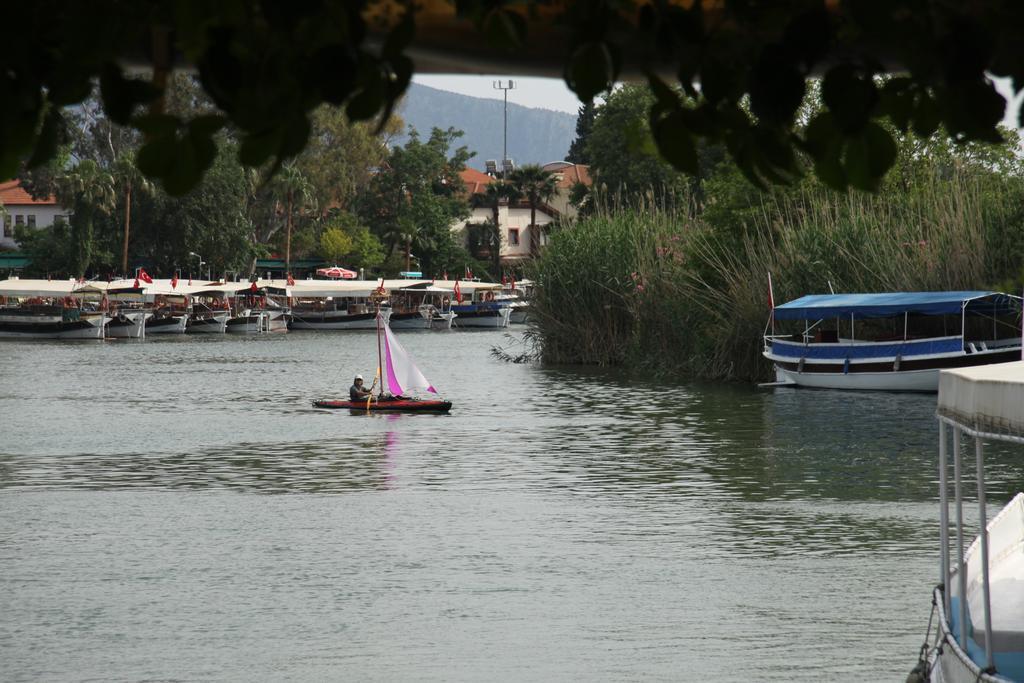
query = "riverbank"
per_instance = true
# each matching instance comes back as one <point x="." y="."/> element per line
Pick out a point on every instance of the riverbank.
<point x="688" y="294"/>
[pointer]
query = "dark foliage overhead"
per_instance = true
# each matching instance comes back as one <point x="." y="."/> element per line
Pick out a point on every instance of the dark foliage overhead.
<point x="266" y="65"/>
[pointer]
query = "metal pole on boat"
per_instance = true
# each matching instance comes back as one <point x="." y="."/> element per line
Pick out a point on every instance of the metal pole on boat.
<point x="943" y="517"/>
<point x="380" y="355"/>
<point x="960" y="568"/>
<point x="980" y="458"/>
<point x="853" y="337"/>
<point x="905" y="314"/>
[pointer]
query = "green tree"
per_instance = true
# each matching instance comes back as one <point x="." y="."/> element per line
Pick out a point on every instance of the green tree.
<point x="536" y="186"/>
<point x="335" y="244"/>
<point x="212" y="220"/>
<point x="129" y="179"/>
<point x="89" y="191"/>
<point x="578" y="150"/>
<point x="489" y="235"/>
<point x="624" y="161"/>
<point x="417" y="196"/>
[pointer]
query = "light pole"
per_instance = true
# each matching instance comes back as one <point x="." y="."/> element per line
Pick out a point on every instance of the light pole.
<point x="201" y="262"/>
<point x="505" y="87"/>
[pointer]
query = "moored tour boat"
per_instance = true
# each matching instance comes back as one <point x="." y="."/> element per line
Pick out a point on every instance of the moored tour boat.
<point x="979" y="601"/>
<point x="44" y="309"/>
<point x="895" y="341"/>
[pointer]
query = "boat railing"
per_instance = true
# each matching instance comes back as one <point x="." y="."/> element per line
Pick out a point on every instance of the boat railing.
<point x="950" y="426"/>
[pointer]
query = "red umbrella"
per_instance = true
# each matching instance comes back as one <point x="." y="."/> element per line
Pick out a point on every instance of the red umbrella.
<point x="338" y="272"/>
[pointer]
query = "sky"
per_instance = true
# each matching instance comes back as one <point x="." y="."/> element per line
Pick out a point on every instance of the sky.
<point x="552" y="93"/>
<point x="541" y="93"/>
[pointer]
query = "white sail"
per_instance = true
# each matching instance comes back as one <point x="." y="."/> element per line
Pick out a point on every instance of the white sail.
<point x="400" y="373"/>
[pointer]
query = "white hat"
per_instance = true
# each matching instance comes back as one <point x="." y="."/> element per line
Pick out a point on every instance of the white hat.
<point x="359" y="376"/>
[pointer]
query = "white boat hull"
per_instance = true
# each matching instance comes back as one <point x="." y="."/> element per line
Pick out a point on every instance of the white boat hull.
<point x="175" y="325"/>
<point x="913" y="380"/>
<point x="249" y="322"/>
<point x="340" y="321"/>
<point x="215" y="324"/>
<point x="130" y="325"/>
<point x="496" y="319"/>
<point x="88" y="327"/>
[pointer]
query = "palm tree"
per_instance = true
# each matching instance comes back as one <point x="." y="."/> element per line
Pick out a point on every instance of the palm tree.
<point x="492" y="197"/>
<point x="537" y="186"/>
<point x="293" y="189"/>
<point x="90" y="191"/>
<point x="129" y="176"/>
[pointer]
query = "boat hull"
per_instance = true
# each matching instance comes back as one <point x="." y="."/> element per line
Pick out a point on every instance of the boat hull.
<point x="400" y="406"/>
<point x="248" y="323"/>
<point x="409" y="321"/>
<point x="215" y="324"/>
<point x="915" y="374"/>
<point x="128" y="325"/>
<point x="84" y="328"/>
<point x="336" y="320"/>
<point x="173" y="324"/>
<point x="471" y="316"/>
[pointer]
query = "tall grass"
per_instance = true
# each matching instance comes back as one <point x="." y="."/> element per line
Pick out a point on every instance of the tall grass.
<point x="653" y="289"/>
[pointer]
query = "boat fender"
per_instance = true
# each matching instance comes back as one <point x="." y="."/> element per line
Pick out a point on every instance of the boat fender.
<point x="489" y="296"/>
<point x="896" y="363"/>
<point x="846" y="366"/>
<point x="800" y="365"/>
<point x="446" y="302"/>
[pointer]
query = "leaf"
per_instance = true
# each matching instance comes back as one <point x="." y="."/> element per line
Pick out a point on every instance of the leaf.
<point x="926" y="115"/>
<point x="400" y="36"/>
<point x="824" y="142"/>
<point x="974" y="110"/>
<point x="675" y="142"/>
<point x="776" y="87"/>
<point x="505" y="28"/>
<point x="51" y="134"/>
<point x="591" y="70"/>
<point x="155" y="125"/>
<point x="850" y="95"/>
<point x="869" y="156"/>
<point x="897" y="102"/>
<point x="258" y="147"/>
<point x="121" y="95"/>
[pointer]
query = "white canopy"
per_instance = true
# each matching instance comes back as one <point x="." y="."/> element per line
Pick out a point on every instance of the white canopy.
<point x="16" y="287"/>
<point x="985" y="397"/>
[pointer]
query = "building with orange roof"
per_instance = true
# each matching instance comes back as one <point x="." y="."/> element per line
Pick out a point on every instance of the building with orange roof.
<point x="520" y="239"/>
<point x="18" y="207"/>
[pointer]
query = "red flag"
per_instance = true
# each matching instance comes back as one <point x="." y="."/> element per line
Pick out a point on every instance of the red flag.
<point x="136" y="285"/>
<point x="174" y="281"/>
<point x="189" y="280"/>
<point x="503" y="280"/>
<point x="513" y="283"/>
<point x="254" y="288"/>
<point x="458" y="292"/>
<point x="144" y="276"/>
<point x="291" y="280"/>
<point x="445" y="275"/>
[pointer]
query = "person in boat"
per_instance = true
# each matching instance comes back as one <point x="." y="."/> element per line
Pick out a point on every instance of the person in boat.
<point x="356" y="392"/>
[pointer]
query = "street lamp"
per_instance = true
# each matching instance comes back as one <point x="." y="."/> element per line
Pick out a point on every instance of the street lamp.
<point x="505" y="86"/>
<point x="201" y="263"/>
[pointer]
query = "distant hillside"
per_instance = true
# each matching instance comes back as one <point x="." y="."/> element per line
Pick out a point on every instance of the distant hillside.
<point x="535" y="136"/>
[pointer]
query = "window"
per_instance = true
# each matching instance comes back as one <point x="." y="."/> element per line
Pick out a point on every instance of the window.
<point x="8" y="230"/>
<point x="19" y="220"/>
<point x="513" y="237"/>
<point x="31" y="220"/>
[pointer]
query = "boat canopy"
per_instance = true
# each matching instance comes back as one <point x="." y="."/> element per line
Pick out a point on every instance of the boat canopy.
<point x="985" y="397"/>
<point x="818" y="306"/>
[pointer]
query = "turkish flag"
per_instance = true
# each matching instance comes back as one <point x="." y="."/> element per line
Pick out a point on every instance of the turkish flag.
<point x="254" y="288"/>
<point x="136" y="285"/>
<point x="291" y="280"/>
<point x="458" y="292"/>
<point x="144" y="276"/>
<point x="174" y="281"/>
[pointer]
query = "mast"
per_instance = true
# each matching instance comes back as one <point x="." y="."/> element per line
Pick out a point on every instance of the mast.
<point x="380" y="355"/>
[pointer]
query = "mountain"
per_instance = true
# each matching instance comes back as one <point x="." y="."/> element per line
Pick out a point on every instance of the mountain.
<point x="535" y="136"/>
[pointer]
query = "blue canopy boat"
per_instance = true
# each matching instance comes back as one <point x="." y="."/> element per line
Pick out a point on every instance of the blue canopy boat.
<point x="895" y="341"/>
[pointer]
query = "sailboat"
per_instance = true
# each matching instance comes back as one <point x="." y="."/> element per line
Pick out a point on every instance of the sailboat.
<point x="397" y="375"/>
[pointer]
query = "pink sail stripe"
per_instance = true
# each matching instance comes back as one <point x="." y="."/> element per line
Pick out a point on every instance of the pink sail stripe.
<point x="402" y="374"/>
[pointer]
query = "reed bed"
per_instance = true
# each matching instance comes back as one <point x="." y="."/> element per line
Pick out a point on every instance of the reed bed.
<point x="665" y="292"/>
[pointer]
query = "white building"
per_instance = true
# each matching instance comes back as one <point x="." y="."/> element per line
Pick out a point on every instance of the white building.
<point x="520" y="239"/>
<point x="19" y="208"/>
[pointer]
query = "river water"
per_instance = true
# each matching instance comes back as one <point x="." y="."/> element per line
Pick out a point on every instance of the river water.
<point x="176" y="509"/>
